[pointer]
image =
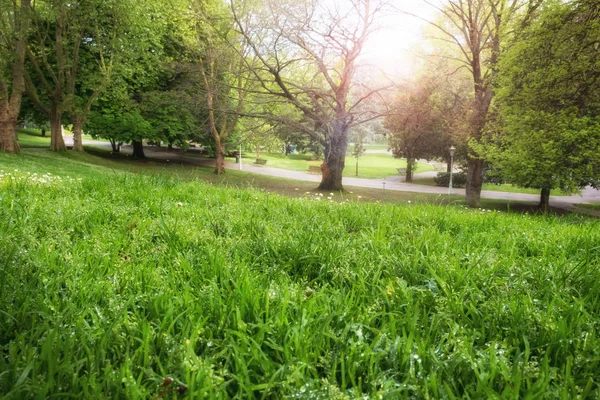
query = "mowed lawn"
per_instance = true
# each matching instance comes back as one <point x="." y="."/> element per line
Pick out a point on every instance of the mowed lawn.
<point x="132" y="285"/>
<point x="370" y="165"/>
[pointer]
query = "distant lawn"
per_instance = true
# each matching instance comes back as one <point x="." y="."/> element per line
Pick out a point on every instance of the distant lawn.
<point x="370" y="166"/>
<point x="595" y="207"/>
<point x="33" y="138"/>
<point x="494" y="188"/>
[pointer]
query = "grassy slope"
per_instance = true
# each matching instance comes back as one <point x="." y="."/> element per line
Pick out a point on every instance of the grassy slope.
<point x="111" y="283"/>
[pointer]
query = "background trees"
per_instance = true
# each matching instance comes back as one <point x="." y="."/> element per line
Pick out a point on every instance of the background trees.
<point x="420" y="122"/>
<point x="14" y="27"/>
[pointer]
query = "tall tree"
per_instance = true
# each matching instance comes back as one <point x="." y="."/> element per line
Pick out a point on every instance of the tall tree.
<point x="478" y="28"/>
<point x="308" y="54"/>
<point x="549" y="133"/>
<point x="225" y="74"/>
<point x="14" y="26"/>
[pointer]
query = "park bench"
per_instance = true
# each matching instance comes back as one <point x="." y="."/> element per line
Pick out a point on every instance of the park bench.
<point x="314" y="169"/>
<point x="401" y="171"/>
<point x="260" y="161"/>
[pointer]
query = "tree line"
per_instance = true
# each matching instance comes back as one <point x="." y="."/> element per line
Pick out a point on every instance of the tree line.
<point x="510" y="83"/>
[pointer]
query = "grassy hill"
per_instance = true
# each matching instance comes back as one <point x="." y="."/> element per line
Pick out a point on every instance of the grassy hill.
<point x="115" y="281"/>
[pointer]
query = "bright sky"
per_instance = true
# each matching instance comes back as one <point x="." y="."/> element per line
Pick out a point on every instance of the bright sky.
<point x="390" y="47"/>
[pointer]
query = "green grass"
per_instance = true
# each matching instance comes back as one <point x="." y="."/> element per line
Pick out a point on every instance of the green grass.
<point x="111" y="283"/>
<point x="492" y="187"/>
<point x="33" y="138"/>
<point x="595" y="207"/>
<point x="370" y="166"/>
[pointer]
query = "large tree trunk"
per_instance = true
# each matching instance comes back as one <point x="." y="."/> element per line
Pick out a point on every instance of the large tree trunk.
<point x="474" y="182"/>
<point x="544" y="199"/>
<point x="220" y="159"/>
<point x="8" y="135"/>
<point x="409" y="169"/>
<point x="78" y="133"/>
<point x="57" y="142"/>
<point x="138" y="149"/>
<point x="335" y="158"/>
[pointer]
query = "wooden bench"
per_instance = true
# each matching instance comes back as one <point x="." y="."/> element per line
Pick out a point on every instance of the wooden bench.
<point x="260" y="161"/>
<point x="314" y="169"/>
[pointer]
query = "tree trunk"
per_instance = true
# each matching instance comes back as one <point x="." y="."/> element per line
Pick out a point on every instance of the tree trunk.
<point x="169" y="146"/>
<point x="138" y="149"/>
<point x="409" y="169"/>
<point x="78" y="133"/>
<point x="220" y="160"/>
<point x="57" y="142"/>
<point x="8" y="136"/>
<point x="43" y="132"/>
<point x="544" y="200"/>
<point x="116" y="147"/>
<point x="335" y="158"/>
<point x="474" y="182"/>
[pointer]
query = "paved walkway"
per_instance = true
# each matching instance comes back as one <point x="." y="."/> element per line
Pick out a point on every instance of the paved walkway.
<point x="588" y="196"/>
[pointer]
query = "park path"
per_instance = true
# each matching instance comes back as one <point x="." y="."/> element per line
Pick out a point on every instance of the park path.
<point x="588" y="196"/>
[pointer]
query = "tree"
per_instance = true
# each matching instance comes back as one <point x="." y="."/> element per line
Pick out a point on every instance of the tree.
<point x="549" y="132"/>
<point x="307" y="54"/>
<point x="224" y="77"/>
<point x="416" y="125"/>
<point x="478" y="28"/>
<point x="14" y="28"/>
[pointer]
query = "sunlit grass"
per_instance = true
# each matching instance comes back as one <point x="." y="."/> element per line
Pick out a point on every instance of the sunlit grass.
<point x="111" y="283"/>
<point x="370" y="166"/>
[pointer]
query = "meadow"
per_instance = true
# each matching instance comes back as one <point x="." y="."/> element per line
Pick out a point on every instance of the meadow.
<point x="133" y="284"/>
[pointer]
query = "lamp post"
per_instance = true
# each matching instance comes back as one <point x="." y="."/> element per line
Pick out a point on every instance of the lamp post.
<point x="240" y="156"/>
<point x="452" y="149"/>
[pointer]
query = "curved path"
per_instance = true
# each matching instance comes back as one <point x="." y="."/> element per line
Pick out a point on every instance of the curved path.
<point x="588" y="196"/>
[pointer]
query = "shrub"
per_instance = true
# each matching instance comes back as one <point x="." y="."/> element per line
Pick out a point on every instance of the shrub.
<point x="459" y="179"/>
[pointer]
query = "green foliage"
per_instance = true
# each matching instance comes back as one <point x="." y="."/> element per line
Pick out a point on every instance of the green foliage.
<point x="120" y="126"/>
<point x="418" y="122"/>
<point x="549" y="106"/>
<point x="459" y="179"/>
<point x="124" y="280"/>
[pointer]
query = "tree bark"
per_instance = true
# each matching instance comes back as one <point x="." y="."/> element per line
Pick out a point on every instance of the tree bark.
<point x="57" y="142"/>
<point x="474" y="182"/>
<point x="43" y="132"/>
<point x="335" y="159"/>
<point x="220" y="159"/>
<point x="8" y="136"/>
<point x="138" y="149"/>
<point x="78" y="122"/>
<point x="409" y="169"/>
<point x="544" y="199"/>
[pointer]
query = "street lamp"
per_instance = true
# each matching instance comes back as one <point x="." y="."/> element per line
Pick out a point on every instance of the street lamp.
<point x="452" y="150"/>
